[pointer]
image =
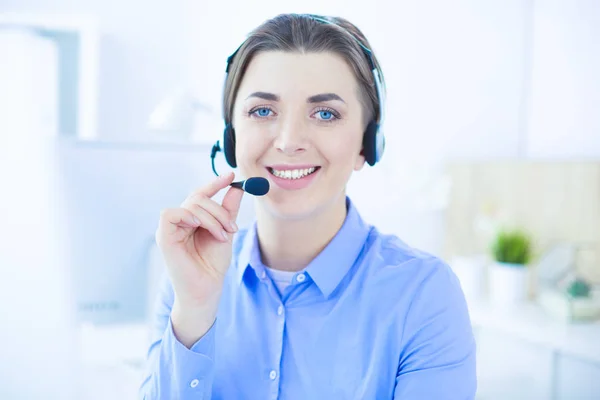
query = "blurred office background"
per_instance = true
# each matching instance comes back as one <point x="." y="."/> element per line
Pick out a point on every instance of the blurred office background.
<point x="108" y="111"/>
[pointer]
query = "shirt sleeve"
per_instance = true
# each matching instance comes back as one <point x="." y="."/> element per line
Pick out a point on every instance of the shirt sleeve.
<point x="173" y="371"/>
<point x="438" y="359"/>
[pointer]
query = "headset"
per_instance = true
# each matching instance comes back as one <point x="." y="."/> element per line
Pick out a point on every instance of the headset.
<point x="373" y="138"/>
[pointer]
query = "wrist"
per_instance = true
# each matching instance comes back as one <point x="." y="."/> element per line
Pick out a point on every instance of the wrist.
<point x="191" y="322"/>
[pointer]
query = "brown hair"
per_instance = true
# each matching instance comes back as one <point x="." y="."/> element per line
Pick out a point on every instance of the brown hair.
<point x="305" y="33"/>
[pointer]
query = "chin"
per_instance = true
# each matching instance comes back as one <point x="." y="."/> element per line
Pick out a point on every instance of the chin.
<point x="295" y="205"/>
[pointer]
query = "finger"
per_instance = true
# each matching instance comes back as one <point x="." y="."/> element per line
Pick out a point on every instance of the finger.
<point x="179" y="216"/>
<point x="209" y="222"/>
<point x="172" y="218"/>
<point x="232" y="201"/>
<point x="213" y="187"/>
<point x="217" y="211"/>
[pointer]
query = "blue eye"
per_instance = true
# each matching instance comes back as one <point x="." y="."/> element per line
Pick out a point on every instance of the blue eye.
<point x="325" y="114"/>
<point x="262" y="112"/>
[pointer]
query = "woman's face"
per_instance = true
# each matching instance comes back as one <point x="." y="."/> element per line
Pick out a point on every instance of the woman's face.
<point x="299" y="123"/>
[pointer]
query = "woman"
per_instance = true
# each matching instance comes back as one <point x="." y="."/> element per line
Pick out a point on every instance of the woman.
<point x="310" y="302"/>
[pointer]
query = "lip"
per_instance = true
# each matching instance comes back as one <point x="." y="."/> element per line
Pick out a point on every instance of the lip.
<point x="293" y="184"/>
<point x="286" y="167"/>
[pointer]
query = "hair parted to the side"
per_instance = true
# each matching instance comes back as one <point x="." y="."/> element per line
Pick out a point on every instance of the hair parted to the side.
<point x="301" y="33"/>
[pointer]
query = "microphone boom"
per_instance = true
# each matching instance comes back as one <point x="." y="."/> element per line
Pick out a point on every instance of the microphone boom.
<point x="256" y="186"/>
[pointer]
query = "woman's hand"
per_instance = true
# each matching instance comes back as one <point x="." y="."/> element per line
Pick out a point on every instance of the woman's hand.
<point x="195" y="241"/>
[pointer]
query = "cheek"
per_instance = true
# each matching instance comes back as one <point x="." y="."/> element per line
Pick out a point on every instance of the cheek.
<point x="249" y="147"/>
<point x="343" y="150"/>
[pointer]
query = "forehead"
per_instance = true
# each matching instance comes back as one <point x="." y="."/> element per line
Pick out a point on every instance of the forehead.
<point x="290" y="73"/>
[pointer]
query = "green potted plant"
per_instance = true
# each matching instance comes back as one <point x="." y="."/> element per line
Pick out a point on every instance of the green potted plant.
<point x="582" y="305"/>
<point x="511" y="251"/>
<point x="579" y="288"/>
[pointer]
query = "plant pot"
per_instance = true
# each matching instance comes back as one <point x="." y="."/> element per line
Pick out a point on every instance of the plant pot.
<point x="508" y="284"/>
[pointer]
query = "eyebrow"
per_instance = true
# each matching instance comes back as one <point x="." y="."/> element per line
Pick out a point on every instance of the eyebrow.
<point x="324" y="97"/>
<point x="264" y="96"/>
<point x="318" y="98"/>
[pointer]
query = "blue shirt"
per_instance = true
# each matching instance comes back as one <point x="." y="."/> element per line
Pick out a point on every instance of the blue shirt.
<point x="369" y="318"/>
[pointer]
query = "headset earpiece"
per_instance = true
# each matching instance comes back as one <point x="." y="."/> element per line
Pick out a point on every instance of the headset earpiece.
<point x="229" y="145"/>
<point x="373" y="143"/>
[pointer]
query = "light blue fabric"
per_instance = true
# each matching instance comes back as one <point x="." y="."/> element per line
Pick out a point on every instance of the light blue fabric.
<point x="369" y="318"/>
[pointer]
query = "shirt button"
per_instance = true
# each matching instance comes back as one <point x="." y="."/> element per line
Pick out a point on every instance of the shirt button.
<point x="194" y="383"/>
<point x="301" y="277"/>
<point x="279" y="310"/>
<point x="263" y="275"/>
<point x="273" y="374"/>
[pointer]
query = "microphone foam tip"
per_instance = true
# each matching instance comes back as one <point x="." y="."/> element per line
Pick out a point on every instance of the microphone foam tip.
<point x="257" y="186"/>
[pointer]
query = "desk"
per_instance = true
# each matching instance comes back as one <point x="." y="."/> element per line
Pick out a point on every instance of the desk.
<point x="540" y="335"/>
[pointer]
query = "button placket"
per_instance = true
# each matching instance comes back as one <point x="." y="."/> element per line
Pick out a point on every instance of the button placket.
<point x="274" y="373"/>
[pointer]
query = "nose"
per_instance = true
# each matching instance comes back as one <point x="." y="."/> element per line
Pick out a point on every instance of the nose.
<point x="292" y="137"/>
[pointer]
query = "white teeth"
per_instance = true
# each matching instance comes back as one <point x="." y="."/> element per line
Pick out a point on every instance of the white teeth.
<point x="293" y="173"/>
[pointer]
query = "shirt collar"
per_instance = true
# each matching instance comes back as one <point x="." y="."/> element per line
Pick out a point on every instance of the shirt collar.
<point x="330" y="266"/>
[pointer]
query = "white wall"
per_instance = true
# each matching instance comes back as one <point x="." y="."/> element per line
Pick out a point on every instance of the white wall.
<point x="564" y="121"/>
<point x="143" y="55"/>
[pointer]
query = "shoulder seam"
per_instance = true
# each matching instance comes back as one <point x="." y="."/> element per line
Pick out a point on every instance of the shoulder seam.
<point x="417" y="293"/>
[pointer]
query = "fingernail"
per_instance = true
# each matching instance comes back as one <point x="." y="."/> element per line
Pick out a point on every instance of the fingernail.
<point x="234" y="227"/>
<point x="225" y="236"/>
<point x="197" y="221"/>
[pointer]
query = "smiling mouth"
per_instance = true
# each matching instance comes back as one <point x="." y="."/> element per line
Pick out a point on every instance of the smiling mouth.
<point x="293" y="173"/>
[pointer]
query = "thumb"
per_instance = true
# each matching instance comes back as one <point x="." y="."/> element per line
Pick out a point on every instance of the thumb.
<point x="232" y="201"/>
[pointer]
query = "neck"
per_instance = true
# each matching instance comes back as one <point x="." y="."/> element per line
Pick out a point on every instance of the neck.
<point x="290" y="245"/>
